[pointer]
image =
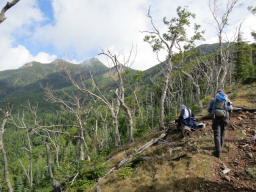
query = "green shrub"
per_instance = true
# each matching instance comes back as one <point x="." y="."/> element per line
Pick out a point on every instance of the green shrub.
<point x="206" y="100"/>
<point x="92" y="171"/>
<point x="125" y="172"/>
<point x="233" y="95"/>
<point x="196" y="109"/>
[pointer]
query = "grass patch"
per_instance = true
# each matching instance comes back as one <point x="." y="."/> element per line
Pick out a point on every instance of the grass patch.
<point x="233" y="96"/>
<point x="251" y="172"/>
<point x="206" y="100"/>
<point x="244" y="96"/>
<point x="125" y="172"/>
<point x="240" y="134"/>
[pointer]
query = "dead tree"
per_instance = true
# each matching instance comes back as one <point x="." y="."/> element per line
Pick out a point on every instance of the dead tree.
<point x="112" y="104"/>
<point x="221" y="21"/>
<point x="56" y="184"/>
<point x="54" y="140"/>
<point x="6" y="115"/>
<point x="5" y="8"/>
<point x="119" y="67"/>
<point x="197" y="87"/>
<point x="105" y="128"/>
<point x="73" y="105"/>
<point x="176" y="32"/>
<point x="185" y="55"/>
<point x="28" y="172"/>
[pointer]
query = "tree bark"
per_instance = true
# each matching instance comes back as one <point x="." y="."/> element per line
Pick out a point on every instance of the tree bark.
<point x="115" y="123"/>
<point x="114" y="110"/>
<point x="198" y="90"/>
<point x="163" y="95"/>
<point x="128" y="112"/>
<point x="6" y="174"/>
<point x="55" y="183"/>
<point x="57" y="155"/>
<point x="30" y="162"/>
<point x="5" y="8"/>
<point x="81" y="150"/>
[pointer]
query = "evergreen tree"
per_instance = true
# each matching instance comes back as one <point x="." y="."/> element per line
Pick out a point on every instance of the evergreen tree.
<point x="244" y="67"/>
<point x="19" y="185"/>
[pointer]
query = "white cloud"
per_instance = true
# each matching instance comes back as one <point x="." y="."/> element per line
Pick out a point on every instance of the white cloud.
<point x="43" y="57"/>
<point x="18" y="22"/>
<point x="82" y="27"/>
<point x="15" y="57"/>
<point x="248" y="26"/>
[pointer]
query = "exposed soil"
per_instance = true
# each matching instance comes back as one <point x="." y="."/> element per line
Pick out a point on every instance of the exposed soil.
<point x="238" y="154"/>
<point x="187" y="164"/>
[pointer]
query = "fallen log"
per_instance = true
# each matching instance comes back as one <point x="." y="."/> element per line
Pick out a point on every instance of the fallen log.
<point x="243" y="108"/>
<point x="235" y="109"/>
<point x="130" y="157"/>
<point x="141" y="149"/>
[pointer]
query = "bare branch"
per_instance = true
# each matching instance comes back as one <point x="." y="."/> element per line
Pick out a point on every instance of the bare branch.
<point x="157" y="32"/>
<point x="5" y="8"/>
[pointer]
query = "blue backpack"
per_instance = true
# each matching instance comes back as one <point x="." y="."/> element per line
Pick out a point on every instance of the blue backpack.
<point x="220" y="107"/>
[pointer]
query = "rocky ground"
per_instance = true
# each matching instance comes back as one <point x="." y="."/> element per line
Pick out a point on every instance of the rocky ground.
<point x="187" y="164"/>
<point x="238" y="158"/>
<point x="177" y="163"/>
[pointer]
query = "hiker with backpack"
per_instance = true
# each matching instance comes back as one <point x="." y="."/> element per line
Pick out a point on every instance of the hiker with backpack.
<point x="219" y="107"/>
<point x="188" y="118"/>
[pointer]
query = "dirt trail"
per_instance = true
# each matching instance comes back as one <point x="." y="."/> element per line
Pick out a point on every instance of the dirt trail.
<point x="238" y="155"/>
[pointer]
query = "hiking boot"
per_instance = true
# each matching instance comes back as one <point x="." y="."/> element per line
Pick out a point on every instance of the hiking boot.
<point x="201" y="125"/>
<point x="216" y="154"/>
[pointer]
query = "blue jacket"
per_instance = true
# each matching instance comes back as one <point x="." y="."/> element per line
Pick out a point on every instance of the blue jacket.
<point x="190" y="120"/>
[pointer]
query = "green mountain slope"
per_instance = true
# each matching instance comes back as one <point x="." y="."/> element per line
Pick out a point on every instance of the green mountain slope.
<point x="32" y="76"/>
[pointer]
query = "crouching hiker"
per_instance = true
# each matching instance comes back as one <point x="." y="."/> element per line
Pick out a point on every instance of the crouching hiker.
<point x="187" y="118"/>
<point x="219" y="107"/>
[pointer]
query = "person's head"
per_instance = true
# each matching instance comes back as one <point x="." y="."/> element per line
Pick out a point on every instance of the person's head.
<point x="220" y="91"/>
<point x="182" y="107"/>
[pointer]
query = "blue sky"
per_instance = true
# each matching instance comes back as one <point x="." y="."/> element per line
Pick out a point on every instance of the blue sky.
<point x="45" y="7"/>
<point x="76" y="30"/>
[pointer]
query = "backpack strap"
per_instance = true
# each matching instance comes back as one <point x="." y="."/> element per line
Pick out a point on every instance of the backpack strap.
<point x="213" y="105"/>
<point x="189" y="113"/>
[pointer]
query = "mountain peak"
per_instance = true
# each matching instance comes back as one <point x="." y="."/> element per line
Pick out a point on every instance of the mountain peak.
<point x="60" y="62"/>
<point x="90" y="61"/>
<point x="30" y="64"/>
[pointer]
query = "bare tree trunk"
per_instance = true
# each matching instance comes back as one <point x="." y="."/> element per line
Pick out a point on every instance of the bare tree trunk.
<point x="197" y="87"/>
<point x="115" y="124"/>
<point x="163" y="95"/>
<point x="57" y="156"/>
<point x="114" y="109"/>
<point x="146" y="107"/>
<point x="152" y="110"/>
<point x="106" y="135"/>
<point x="55" y="183"/>
<point x="6" y="174"/>
<point x="105" y="128"/>
<point x="86" y="150"/>
<point x="223" y="77"/>
<point x="30" y="161"/>
<point x="222" y="22"/>
<point x="81" y="150"/>
<point x="120" y="91"/>
<point x="138" y="104"/>
<point x="127" y="110"/>
<point x="96" y="127"/>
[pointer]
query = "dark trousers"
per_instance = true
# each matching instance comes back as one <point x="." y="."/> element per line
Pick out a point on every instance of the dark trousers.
<point x="218" y="126"/>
